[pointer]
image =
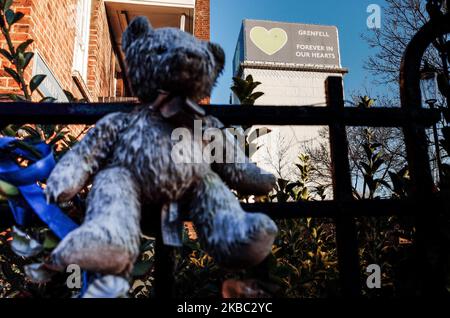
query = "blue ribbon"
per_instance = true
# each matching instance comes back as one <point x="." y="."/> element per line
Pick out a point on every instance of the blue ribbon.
<point x="32" y="200"/>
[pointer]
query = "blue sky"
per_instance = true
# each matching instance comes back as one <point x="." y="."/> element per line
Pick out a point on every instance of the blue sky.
<point x="349" y="16"/>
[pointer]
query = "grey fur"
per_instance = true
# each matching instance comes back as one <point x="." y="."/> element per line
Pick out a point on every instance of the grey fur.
<point x="129" y="156"/>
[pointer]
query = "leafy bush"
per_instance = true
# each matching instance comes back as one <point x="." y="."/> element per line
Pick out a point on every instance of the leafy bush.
<point x="60" y="137"/>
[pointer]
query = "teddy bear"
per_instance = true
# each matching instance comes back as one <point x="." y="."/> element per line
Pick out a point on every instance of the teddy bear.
<point x="130" y="159"/>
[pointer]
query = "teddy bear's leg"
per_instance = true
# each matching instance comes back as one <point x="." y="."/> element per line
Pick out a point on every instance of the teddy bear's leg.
<point x="109" y="238"/>
<point x="234" y="238"/>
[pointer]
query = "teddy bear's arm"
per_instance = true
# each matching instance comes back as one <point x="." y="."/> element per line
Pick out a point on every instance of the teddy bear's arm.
<point x="84" y="160"/>
<point x="246" y="178"/>
<point x="243" y="176"/>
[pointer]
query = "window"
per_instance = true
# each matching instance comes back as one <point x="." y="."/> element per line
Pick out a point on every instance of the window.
<point x="81" y="50"/>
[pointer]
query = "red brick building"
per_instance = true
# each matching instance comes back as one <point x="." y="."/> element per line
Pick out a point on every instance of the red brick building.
<point x="77" y="42"/>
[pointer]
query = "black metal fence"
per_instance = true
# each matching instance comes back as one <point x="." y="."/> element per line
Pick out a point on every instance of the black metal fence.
<point x="414" y="121"/>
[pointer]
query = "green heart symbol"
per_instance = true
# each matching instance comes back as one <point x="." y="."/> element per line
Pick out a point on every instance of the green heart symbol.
<point x="268" y="41"/>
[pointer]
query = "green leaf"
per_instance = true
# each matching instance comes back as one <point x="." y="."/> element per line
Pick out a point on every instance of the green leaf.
<point x="9" y="131"/>
<point x="142" y="268"/>
<point x="28" y="147"/>
<point x="356" y="195"/>
<point x="384" y="183"/>
<point x="69" y="96"/>
<point x="256" y="95"/>
<point x="28" y="57"/>
<point x="282" y="183"/>
<point x="365" y="102"/>
<point x="376" y="145"/>
<point x="14" y="97"/>
<point x="243" y="89"/>
<point x="404" y="172"/>
<point x="17" y="17"/>
<point x="36" y="81"/>
<point x="52" y="140"/>
<point x="30" y="131"/>
<point x="291" y="186"/>
<point x="24" y="45"/>
<point x="377" y="164"/>
<point x="20" y="59"/>
<point x="47" y="100"/>
<point x="147" y="246"/>
<point x="8" y="190"/>
<point x="13" y="74"/>
<point x="48" y="130"/>
<point x="368" y="150"/>
<point x="7" y="4"/>
<point x="9" y="15"/>
<point x="370" y="183"/>
<point x="19" y="97"/>
<point x="366" y="167"/>
<point x="6" y="54"/>
<point x="305" y="194"/>
<point x="50" y="241"/>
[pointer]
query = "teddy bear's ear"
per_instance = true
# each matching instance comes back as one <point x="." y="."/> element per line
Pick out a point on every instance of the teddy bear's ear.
<point x="139" y="27"/>
<point x="219" y="56"/>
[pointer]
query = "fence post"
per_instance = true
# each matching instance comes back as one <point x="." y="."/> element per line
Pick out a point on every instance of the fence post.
<point x="431" y="256"/>
<point x="346" y="235"/>
<point x="164" y="265"/>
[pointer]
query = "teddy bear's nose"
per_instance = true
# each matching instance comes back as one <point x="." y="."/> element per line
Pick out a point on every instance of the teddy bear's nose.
<point x="191" y="55"/>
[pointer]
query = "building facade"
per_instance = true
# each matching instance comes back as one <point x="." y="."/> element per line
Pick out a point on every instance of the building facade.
<point x="77" y="42"/>
<point x="292" y="61"/>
